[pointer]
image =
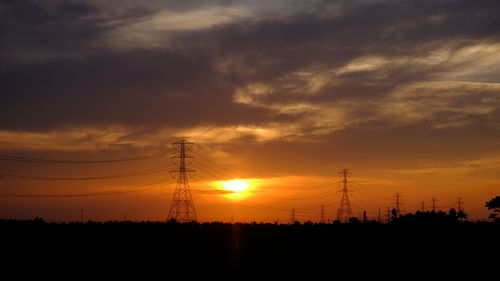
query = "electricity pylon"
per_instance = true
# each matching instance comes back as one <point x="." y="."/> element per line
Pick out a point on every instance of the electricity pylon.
<point x="322" y="219"/>
<point x="459" y="204"/>
<point x="398" y="204"/>
<point x="434" y="207"/>
<point x="344" y="212"/>
<point x="182" y="206"/>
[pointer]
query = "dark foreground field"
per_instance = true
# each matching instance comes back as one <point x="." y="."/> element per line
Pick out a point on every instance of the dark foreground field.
<point x="215" y="251"/>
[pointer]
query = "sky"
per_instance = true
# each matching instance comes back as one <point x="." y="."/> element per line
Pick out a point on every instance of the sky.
<point x="281" y="94"/>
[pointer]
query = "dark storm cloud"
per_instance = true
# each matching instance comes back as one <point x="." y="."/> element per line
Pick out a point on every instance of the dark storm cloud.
<point x="34" y="27"/>
<point x="141" y="88"/>
<point x="60" y="70"/>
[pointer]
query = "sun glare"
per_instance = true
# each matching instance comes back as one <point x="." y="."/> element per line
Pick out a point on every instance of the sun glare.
<point x="237" y="188"/>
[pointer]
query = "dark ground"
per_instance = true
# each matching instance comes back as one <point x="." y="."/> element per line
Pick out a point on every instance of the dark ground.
<point x="216" y="251"/>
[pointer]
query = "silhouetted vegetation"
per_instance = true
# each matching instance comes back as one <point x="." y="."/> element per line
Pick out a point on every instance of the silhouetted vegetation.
<point x="430" y="217"/>
<point x="410" y="246"/>
<point x="494" y="204"/>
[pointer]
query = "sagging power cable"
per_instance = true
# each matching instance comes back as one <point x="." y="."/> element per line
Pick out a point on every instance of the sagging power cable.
<point x="88" y="194"/>
<point x="16" y="158"/>
<point x="124" y="175"/>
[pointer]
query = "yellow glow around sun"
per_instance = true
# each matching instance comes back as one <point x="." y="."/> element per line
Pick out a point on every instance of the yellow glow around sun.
<point x="235" y="185"/>
<point x="237" y="188"/>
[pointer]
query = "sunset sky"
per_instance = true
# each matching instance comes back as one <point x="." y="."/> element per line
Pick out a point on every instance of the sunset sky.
<point x="278" y="95"/>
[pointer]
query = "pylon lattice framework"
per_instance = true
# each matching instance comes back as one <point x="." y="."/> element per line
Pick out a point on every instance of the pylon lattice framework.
<point x="182" y="207"/>
<point x="344" y="212"/>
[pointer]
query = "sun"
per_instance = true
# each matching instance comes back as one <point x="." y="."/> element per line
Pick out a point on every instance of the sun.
<point x="237" y="188"/>
<point x="235" y="185"/>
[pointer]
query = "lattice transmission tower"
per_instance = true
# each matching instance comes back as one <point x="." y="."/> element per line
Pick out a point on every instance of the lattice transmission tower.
<point x="460" y="203"/>
<point x="182" y="207"/>
<point x="292" y="216"/>
<point x="322" y="219"/>
<point x="344" y="212"/>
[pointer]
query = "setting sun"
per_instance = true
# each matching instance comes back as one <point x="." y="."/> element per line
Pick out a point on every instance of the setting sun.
<point x="237" y="188"/>
<point x="235" y="185"/>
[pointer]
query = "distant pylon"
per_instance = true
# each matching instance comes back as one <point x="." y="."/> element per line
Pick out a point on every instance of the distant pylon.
<point x="182" y="207"/>
<point x="459" y="204"/>
<point x="292" y="216"/>
<point x="322" y="220"/>
<point x="434" y="204"/>
<point x="398" y="204"/>
<point x="344" y="213"/>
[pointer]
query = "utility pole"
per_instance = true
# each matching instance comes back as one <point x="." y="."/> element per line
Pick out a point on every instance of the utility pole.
<point x="364" y="216"/>
<point x="459" y="204"/>
<point x="322" y="220"/>
<point x="292" y="216"/>
<point x="434" y="204"/>
<point x="344" y="212"/>
<point x="182" y="207"/>
<point x="398" y="211"/>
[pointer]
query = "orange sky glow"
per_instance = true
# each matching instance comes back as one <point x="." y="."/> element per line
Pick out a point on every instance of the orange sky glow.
<point x="276" y="98"/>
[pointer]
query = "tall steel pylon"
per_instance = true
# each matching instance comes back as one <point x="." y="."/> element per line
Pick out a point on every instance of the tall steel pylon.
<point x="322" y="219"/>
<point x="434" y="207"/>
<point x="292" y="216"/>
<point x="398" y="204"/>
<point x="344" y="212"/>
<point x="459" y="204"/>
<point x="182" y="206"/>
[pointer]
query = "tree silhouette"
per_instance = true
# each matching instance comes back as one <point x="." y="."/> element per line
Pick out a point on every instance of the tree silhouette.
<point x="461" y="215"/>
<point x="494" y="204"/>
<point x="353" y="220"/>
<point x="394" y="213"/>
<point x="453" y="212"/>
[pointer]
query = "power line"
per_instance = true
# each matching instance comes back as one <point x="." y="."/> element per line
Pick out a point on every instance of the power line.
<point x="312" y="197"/>
<point x="365" y="201"/>
<point x="369" y="192"/>
<point x="89" y="194"/>
<point x="212" y="163"/>
<point x="124" y="175"/>
<point x="16" y="158"/>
